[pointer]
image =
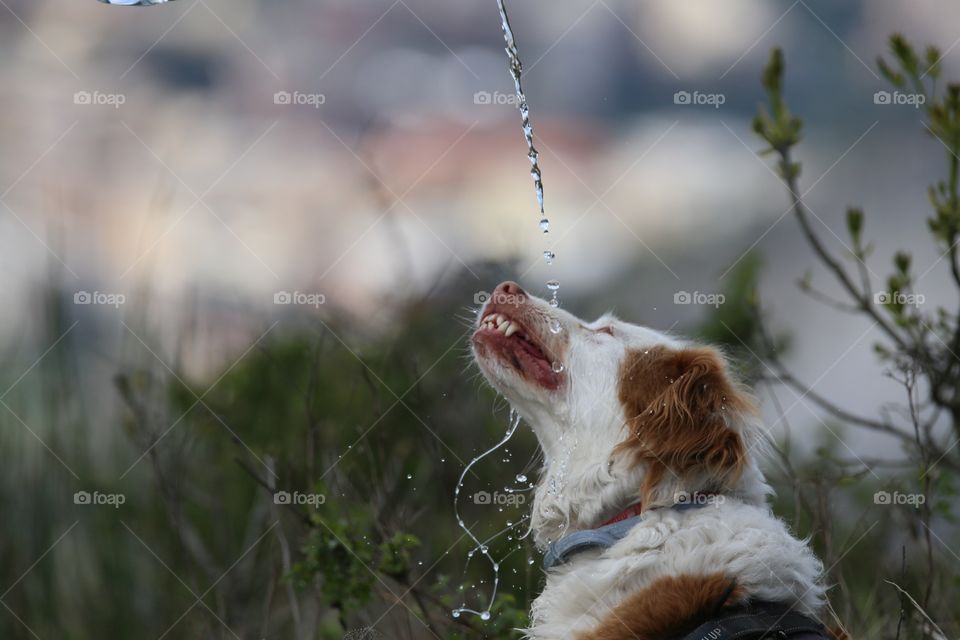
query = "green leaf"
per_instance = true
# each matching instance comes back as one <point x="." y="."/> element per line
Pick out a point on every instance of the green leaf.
<point x="855" y="223"/>
<point x="901" y="261"/>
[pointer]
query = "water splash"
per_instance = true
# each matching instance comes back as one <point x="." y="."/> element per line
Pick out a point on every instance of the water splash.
<point x="516" y="72"/>
<point x="482" y="546"/>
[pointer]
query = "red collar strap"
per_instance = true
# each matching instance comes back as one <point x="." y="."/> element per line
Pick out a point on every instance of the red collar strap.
<point x="629" y="512"/>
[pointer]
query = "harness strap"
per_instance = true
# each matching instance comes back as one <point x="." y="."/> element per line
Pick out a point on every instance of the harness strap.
<point x="759" y="620"/>
<point x="602" y="537"/>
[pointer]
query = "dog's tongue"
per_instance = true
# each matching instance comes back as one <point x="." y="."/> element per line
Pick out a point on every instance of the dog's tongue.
<point x="532" y="362"/>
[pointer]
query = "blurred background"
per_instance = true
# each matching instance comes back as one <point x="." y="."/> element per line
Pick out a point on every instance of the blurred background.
<point x="242" y="243"/>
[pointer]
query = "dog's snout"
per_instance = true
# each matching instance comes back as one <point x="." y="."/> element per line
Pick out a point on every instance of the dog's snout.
<point x="509" y="288"/>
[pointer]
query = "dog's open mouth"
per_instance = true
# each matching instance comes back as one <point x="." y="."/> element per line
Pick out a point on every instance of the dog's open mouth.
<point x="516" y="346"/>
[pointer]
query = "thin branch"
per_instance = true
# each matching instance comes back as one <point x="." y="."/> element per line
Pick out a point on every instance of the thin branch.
<point x="940" y="634"/>
<point x="862" y="298"/>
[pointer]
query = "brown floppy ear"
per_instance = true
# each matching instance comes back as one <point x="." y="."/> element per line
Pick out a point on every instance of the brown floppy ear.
<point x="679" y="406"/>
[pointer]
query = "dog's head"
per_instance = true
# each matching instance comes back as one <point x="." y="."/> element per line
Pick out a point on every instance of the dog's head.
<point x="623" y="413"/>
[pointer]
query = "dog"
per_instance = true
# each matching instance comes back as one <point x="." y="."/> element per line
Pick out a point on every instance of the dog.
<point x="651" y="506"/>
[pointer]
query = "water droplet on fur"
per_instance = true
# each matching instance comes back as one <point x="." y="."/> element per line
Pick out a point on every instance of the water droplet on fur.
<point x="557" y="367"/>
<point x="555" y="326"/>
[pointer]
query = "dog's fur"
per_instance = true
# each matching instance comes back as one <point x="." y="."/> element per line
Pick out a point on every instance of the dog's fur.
<point x="637" y="415"/>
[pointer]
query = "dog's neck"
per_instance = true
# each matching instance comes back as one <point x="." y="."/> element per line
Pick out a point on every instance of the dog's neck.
<point x="573" y="498"/>
<point x="585" y="481"/>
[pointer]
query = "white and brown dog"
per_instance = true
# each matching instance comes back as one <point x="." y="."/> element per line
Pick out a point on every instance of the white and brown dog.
<point x="636" y="425"/>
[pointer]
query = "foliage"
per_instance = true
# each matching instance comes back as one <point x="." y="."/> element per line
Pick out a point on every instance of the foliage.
<point x="919" y="350"/>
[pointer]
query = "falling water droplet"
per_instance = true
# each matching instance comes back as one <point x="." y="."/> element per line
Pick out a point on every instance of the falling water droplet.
<point x="549" y="256"/>
<point x="485" y="615"/>
<point x="456" y="613"/>
<point x="409" y="476"/>
<point x="544" y="225"/>
<point x="521" y="478"/>
<point x="553" y="285"/>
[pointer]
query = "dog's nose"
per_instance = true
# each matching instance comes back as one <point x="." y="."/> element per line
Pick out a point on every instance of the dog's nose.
<point x="509" y="288"/>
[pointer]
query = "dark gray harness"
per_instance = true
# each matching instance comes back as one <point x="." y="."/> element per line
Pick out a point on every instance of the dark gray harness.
<point x="756" y="621"/>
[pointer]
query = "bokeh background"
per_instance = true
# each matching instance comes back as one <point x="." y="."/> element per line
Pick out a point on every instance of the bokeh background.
<point x="192" y="161"/>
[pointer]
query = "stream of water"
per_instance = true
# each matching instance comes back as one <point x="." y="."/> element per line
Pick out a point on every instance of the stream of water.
<point x="135" y="3"/>
<point x="516" y="72"/>
<point x="482" y="546"/>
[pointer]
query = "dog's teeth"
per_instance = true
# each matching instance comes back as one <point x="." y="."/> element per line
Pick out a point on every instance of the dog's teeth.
<point x="511" y="329"/>
<point x="501" y="319"/>
<point x="488" y="318"/>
